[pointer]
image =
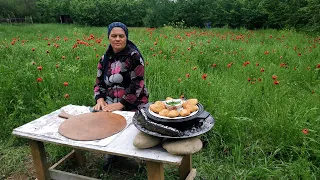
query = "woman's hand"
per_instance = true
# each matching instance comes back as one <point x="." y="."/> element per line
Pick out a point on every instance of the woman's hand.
<point x="100" y="104"/>
<point x="113" y="107"/>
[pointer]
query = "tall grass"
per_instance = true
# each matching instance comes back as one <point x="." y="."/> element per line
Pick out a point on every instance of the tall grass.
<point x="265" y="128"/>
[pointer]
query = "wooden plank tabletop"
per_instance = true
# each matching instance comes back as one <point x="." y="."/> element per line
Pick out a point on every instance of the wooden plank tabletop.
<point x="45" y="129"/>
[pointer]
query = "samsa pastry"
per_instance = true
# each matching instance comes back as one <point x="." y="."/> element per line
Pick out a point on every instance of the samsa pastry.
<point x="156" y="108"/>
<point x="192" y="101"/>
<point x="169" y="98"/>
<point x="160" y="103"/>
<point x="184" y="112"/>
<point x="173" y="113"/>
<point x="164" y="112"/>
<point x="191" y="108"/>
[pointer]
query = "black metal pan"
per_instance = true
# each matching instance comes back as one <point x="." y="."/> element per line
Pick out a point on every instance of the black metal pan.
<point x="204" y="125"/>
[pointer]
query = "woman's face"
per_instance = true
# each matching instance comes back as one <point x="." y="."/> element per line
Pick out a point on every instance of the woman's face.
<point x="117" y="39"/>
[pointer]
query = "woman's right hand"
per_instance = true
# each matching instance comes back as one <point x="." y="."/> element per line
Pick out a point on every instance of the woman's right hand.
<point x="100" y="104"/>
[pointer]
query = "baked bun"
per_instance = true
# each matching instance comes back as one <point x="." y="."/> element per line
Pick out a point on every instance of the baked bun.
<point x="192" y="101"/>
<point x="160" y="103"/>
<point x="173" y="113"/>
<point x="184" y="112"/>
<point x="156" y="108"/>
<point x="164" y="112"/>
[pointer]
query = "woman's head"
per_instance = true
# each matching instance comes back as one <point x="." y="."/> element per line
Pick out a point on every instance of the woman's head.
<point x="118" y="36"/>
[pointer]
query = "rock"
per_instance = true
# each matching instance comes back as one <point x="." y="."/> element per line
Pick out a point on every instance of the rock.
<point x="183" y="146"/>
<point x="143" y="140"/>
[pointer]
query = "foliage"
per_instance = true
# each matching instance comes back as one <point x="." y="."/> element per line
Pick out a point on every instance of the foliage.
<point x="261" y="86"/>
<point x="251" y="14"/>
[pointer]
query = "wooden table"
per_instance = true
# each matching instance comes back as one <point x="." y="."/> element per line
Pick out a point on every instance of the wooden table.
<point x="45" y="129"/>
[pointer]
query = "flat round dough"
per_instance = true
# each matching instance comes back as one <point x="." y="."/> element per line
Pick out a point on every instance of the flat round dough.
<point x="92" y="126"/>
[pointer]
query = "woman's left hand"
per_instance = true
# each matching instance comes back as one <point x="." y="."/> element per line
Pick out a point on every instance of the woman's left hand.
<point x="113" y="107"/>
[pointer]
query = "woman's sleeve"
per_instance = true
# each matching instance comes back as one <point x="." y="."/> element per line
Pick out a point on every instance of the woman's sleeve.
<point x="135" y="92"/>
<point x="100" y="86"/>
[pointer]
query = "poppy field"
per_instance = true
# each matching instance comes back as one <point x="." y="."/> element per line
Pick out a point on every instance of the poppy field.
<point x="261" y="86"/>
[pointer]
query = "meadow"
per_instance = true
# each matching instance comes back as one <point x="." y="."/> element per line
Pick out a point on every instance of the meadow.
<point x="261" y="86"/>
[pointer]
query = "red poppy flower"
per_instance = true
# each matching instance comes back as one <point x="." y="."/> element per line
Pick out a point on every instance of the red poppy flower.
<point x="276" y="82"/>
<point x="39" y="68"/>
<point x="270" y="36"/>
<point x="39" y="79"/>
<point x="147" y="63"/>
<point x="262" y="70"/>
<point x="66" y="84"/>
<point x="34" y="63"/>
<point x="57" y="65"/>
<point x="63" y="57"/>
<point x="305" y="131"/>
<point x="97" y="55"/>
<point x="187" y="75"/>
<point x="33" y="49"/>
<point x="154" y="55"/>
<point x="257" y="64"/>
<point x="294" y="68"/>
<point x="282" y="64"/>
<point x="318" y="66"/>
<point x="245" y="63"/>
<point x="274" y="77"/>
<point x="66" y="96"/>
<point x="155" y="43"/>
<point x="249" y="79"/>
<point x="47" y="51"/>
<point x="181" y="96"/>
<point x="266" y="52"/>
<point x="189" y="48"/>
<point x="259" y="79"/>
<point x="299" y="54"/>
<point x="229" y="65"/>
<point x="204" y="76"/>
<point x="214" y="65"/>
<point x="49" y="43"/>
<point x="194" y="68"/>
<point x="77" y="57"/>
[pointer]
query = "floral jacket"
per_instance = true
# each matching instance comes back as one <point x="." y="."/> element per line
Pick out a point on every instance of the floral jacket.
<point x="120" y="78"/>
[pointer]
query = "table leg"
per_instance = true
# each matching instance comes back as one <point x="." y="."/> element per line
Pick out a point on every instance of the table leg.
<point x="39" y="160"/>
<point x="81" y="159"/>
<point x="155" y="170"/>
<point x="185" y="166"/>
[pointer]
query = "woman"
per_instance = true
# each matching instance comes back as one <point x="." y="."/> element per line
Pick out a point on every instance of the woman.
<point x="120" y="78"/>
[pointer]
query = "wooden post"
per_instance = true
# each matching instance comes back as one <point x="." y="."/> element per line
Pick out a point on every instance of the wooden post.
<point x="155" y="170"/>
<point x="39" y="160"/>
<point x="185" y="166"/>
<point x="81" y="160"/>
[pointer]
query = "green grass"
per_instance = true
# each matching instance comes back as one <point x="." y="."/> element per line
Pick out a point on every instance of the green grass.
<point x="258" y="131"/>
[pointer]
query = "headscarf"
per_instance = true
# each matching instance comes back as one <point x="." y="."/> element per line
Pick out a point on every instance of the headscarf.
<point x="125" y="29"/>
